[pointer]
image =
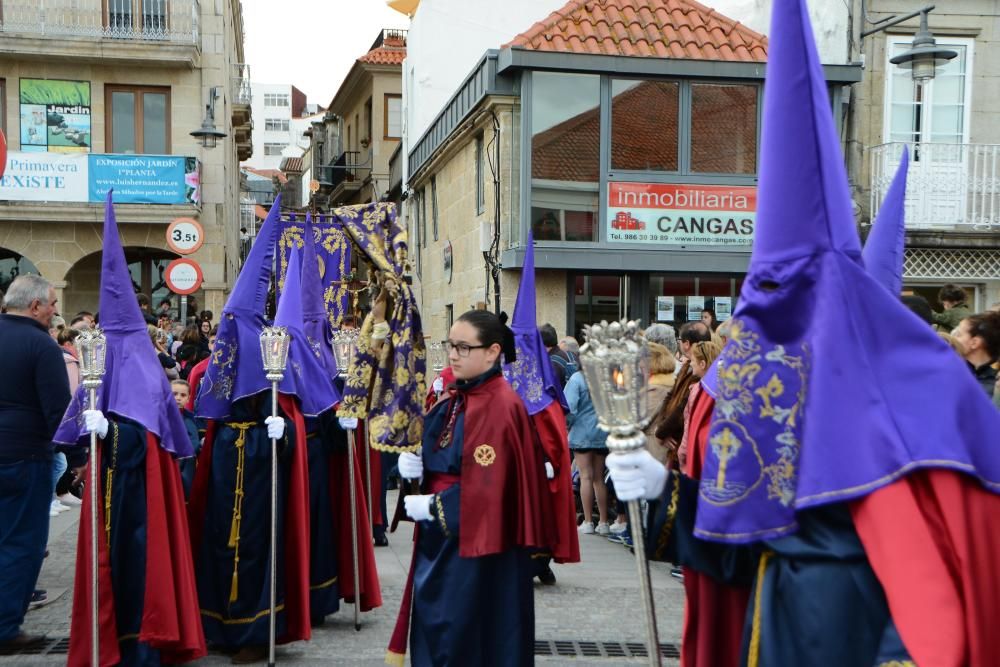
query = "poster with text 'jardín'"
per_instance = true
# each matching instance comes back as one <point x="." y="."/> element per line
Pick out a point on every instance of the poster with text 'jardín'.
<point x="55" y="116"/>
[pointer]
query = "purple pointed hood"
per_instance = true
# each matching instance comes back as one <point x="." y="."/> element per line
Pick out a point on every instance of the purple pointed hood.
<point x="134" y="386"/>
<point x="816" y="403"/>
<point x="305" y="376"/>
<point x="883" y="253"/>
<point x="531" y="375"/>
<point x="316" y="323"/>
<point x="237" y="369"/>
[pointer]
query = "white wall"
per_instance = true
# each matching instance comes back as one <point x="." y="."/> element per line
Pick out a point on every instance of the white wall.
<point x="260" y="135"/>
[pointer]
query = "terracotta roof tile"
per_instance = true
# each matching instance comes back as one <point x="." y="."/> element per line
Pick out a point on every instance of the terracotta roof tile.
<point x="291" y="164"/>
<point x="659" y="28"/>
<point x="269" y="173"/>
<point x="385" y="55"/>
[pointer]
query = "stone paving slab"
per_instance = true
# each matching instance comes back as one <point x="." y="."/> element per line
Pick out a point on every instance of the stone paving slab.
<point x="596" y="600"/>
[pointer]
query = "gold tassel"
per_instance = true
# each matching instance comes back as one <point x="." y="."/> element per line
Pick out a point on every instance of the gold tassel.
<point x="753" y="657"/>
<point x="234" y="528"/>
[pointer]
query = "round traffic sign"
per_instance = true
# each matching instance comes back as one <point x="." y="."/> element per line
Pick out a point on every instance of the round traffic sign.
<point x="183" y="276"/>
<point x="185" y="236"/>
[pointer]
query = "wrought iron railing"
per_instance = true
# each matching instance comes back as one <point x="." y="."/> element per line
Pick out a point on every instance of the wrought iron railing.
<point x="174" y="21"/>
<point x="949" y="186"/>
<point x="347" y="168"/>
<point x="241" y="84"/>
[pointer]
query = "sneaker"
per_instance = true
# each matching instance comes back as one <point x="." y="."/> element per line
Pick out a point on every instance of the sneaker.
<point x="548" y="577"/>
<point x="677" y="573"/>
<point x="53" y="511"/>
<point x="586" y="528"/>
<point x="603" y="529"/>
<point x="57" y="507"/>
<point x="618" y="528"/>
<point x="38" y="598"/>
<point x="69" y="500"/>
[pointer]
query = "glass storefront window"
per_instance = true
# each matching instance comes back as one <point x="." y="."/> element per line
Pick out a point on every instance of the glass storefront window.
<point x="678" y="298"/>
<point x="644" y="125"/>
<point x="565" y="157"/>
<point x="723" y="129"/>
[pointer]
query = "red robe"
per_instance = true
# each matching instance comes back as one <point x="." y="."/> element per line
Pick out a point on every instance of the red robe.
<point x="550" y="425"/>
<point x="714" y="613"/>
<point x="171" y="620"/>
<point x="194" y="379"/>
<point x="371" y="593"/>
<point x="296" y="521"/>
<point x="931" y="539"/>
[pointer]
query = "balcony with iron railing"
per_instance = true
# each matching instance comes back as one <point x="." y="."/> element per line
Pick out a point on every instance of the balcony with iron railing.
<point x="346" y="175"/>
<point x="949" y="187"/>
<point x="239" y="93"/>
<point x="160" y="32"/>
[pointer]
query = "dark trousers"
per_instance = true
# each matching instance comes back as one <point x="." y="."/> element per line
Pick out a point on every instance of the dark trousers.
<point x="25" y="494"/>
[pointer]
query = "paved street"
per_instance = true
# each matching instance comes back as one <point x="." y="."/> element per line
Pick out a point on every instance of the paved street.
<point x="595" y="601"/>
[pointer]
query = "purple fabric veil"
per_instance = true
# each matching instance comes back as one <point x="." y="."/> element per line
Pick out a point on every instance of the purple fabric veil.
<point x="818" y="402"/>
<point x="237" y="369"/>
<point x="316" y="323"/>
<point x="134" y="386"/>
<point x="883" y="253"/>
<point x="305" y="375"/>
<point x="531" y="375"/>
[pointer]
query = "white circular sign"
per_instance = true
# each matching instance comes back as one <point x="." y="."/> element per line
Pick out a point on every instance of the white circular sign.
<point x="183" y="276"/>
<point x="185" y="235"/>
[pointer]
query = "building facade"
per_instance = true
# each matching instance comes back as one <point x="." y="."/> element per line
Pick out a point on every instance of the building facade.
<point x="625" y="136"/>
<point x="101" y="95"/>
<point x="951" y="127"/>
<point x="277" y="129"/>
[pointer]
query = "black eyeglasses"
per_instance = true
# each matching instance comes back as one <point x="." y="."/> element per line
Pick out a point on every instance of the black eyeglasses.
<point x="462" y="349"/>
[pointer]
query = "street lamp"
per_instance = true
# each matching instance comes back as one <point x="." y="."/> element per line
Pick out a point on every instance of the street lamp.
<point x="924" y="56"/>
<point x="208" y="135"/>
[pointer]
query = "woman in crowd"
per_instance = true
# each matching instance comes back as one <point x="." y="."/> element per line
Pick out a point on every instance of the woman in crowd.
<point x="589" y="446"/>
<point x="479" y="514"/>
<point x="159" y="338"/>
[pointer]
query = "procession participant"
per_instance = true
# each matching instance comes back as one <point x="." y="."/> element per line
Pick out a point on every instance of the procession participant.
<point x="230" y="505"/>
<point x="478" y="516"/>
<point x="534" y="379"/>
<point x="833" y="468"/>
<point x="331" y="575"/>
<point x="148" y="602"/>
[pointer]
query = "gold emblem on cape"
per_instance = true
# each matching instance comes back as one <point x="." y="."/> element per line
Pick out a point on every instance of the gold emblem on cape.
<point x="485" y="455"/>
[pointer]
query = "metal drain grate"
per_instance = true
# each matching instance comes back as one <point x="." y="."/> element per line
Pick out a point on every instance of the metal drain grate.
<point x="47" y="646"/>
<point x="588" y="649"/>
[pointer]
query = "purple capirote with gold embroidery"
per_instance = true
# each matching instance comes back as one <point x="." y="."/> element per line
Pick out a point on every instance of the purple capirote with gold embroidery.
<point x="531" y="375"/>
<point x="820" y="400"/>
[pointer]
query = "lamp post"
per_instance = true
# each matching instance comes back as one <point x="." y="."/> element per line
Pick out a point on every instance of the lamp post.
<point x="208" y="135"/>
<point x="615" y="362"/>
<point x="91" y="347"/>
<point x="925" y="56"/>
<point x="274" y="343"/>
<point x="344" y="347"/>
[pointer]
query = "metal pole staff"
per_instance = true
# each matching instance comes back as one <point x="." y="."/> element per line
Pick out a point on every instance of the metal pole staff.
<point x="91" y="347"/>
<point x="274" y="351"/>
<point x="367" y="448"/>
<point x="343" y="350"/>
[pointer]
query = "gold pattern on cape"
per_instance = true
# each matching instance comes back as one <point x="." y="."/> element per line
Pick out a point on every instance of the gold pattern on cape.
<point x="439" y="510"/>
<point x="668" y="525"/>
<point x="725" y="446"/>
<point x="332" y="239"/>
<point x="484" y="455"/>
<point x="109" y="478"/>
<point x="234" y="529"/>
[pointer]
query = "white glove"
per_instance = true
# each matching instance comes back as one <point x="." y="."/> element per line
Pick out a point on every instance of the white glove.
<point x="348" y="423"/>
<point x="411" y="466"/>
<point x="438" y="384"/>
<point x="418" y="508"/>
<point x="550" y="472"/>
<point x="275" y="427"/>
<point x="96" y="422"/>
<point x="637" y="475"/>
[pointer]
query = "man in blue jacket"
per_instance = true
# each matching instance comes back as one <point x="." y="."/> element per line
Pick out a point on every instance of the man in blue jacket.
<point x="33" y="398"/>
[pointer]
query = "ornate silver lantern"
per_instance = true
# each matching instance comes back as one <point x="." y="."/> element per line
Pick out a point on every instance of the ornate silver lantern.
<point x="615" y="363"/>
<point x="274" y="342"/>
<point x="345" y="344"/>
<point x="437" y="357"/>
<point x="91" y="348"/>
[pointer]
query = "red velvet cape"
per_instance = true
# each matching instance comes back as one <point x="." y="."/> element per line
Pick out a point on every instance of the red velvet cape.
<point x="296" y="521"/>
<point x="194" y="380"/>
<point x="502" y="493"/>
<point x="550" y="425"/>
<point x="714" y="613"/>
<point x="932" y="539"/>
<point x="171" y="621"/>
<point x="371" y="592"/>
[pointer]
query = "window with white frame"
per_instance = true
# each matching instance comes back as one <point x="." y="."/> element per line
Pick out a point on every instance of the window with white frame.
<point x="276" y="124"/>
<point x="273" y="149"/>
<point x="935" y="111"/>
<point x="275" y="100"/>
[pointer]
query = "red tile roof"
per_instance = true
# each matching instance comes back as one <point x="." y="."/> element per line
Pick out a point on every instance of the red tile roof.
<point x="391" y="52"/>
<point x="292" y="164"/>
<point x="269" y="173"/>
<point x="653" y="28"/>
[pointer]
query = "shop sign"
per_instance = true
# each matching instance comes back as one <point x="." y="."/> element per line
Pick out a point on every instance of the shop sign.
<point x="55" y="116"/>
<point x="77" y="177"/>
<point x="681" y="214"/>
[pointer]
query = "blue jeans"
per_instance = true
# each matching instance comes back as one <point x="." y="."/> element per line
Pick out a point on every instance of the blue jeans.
<point x="25" y="494"/>
<point x="59" y="466"/>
